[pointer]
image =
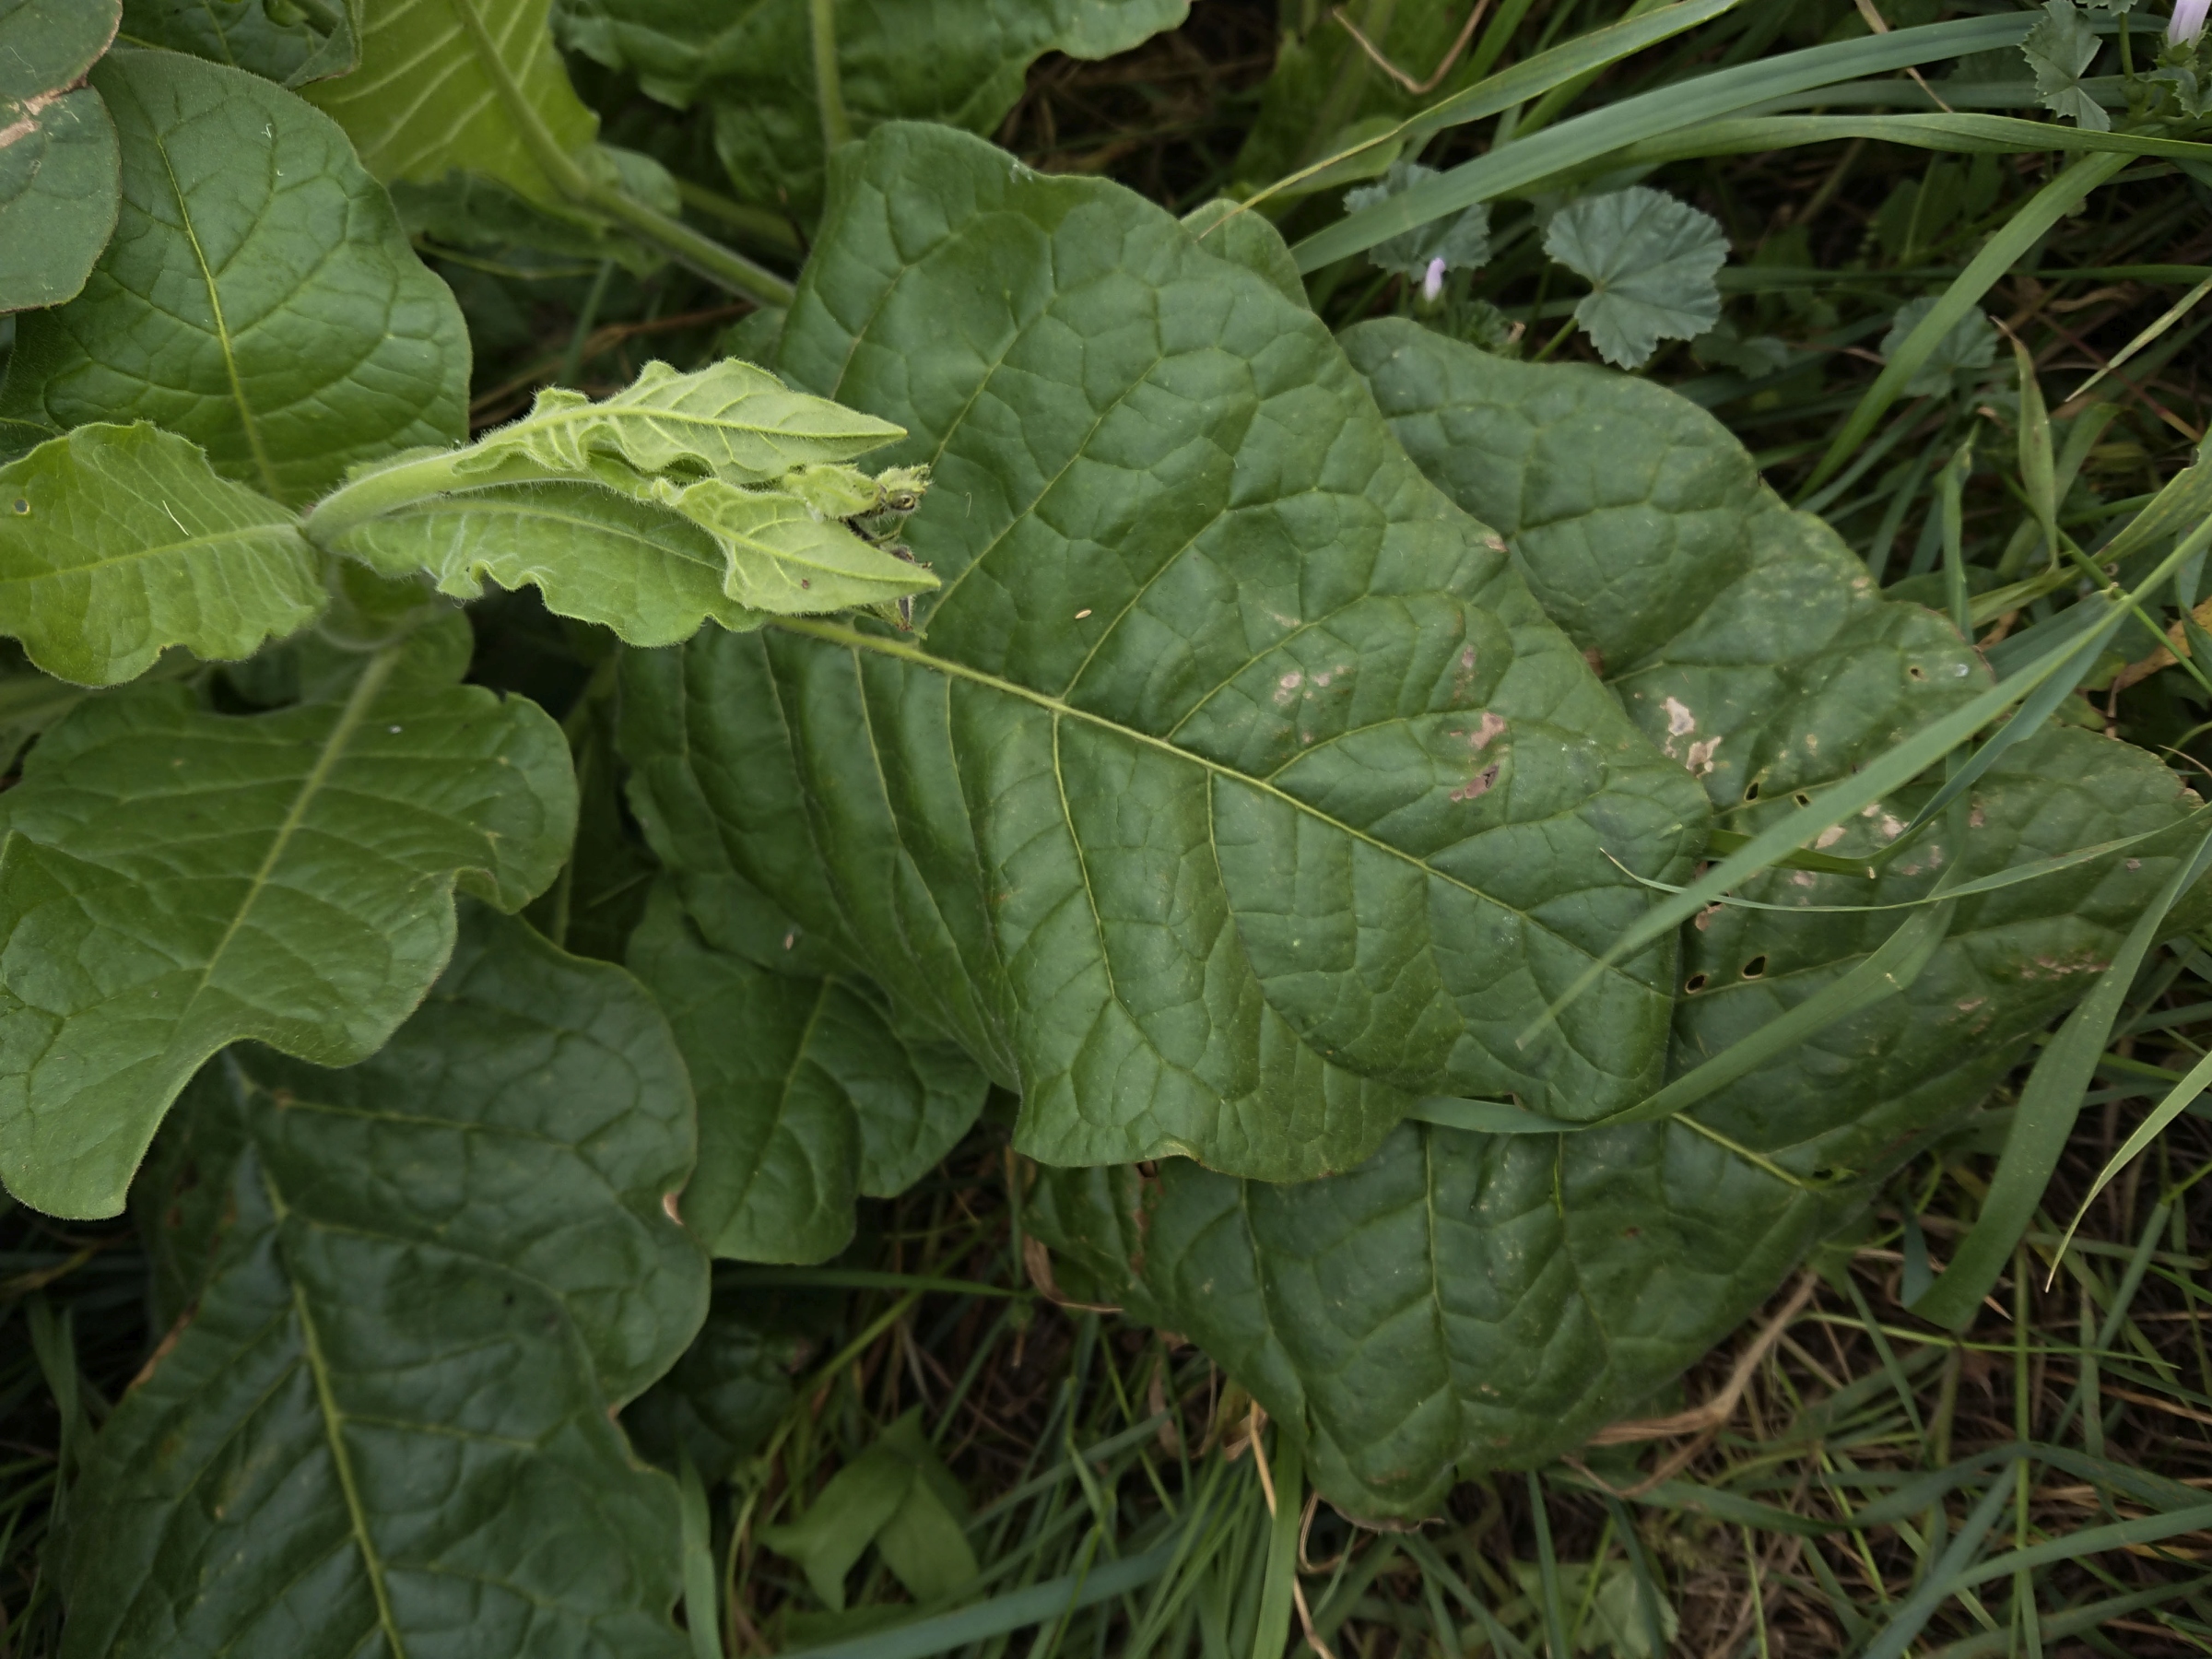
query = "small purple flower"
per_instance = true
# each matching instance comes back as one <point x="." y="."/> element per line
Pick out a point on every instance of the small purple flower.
<point x="1433" y="283"/>
<point x="2188" y="20"/>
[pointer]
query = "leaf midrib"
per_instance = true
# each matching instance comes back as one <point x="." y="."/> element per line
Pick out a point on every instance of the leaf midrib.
<point x="832" y="634"/>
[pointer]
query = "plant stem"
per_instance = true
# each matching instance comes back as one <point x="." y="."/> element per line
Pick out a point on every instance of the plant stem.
<point x="829" y="93"/>
<point x="389" y="489"/>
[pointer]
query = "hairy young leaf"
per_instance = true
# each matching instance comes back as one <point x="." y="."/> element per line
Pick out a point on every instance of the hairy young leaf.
<point x="731" y="418"/>
<point x="1213" y="672"/>
<point x="259" y="296"/>
<point x="424" y="1284"/>
<point x="173" y="880"/>
<point x="58" y="189"/>
<point x="118" y="542"/>
<point x="810" y="1093"/>
<point x="602" y="508"/>
<point x="289" y="41"/>
<point x="1649" y="260"/>
<point x="1474" y="1301"/>
<point x="753" y="62"/>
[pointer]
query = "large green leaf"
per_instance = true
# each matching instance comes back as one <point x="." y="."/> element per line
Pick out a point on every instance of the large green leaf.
<point x="1234" y="792"/>
<point x="58" y="189"/>
<point x="173" y="880"/>
<point x="896" y="60"/>
<point x="259" y="296"/>
<point x="810" y="1092"/>
<point x="117" y="542"/>
<point x="290" y="42"/>
<point x="419" y="1290"/>
<point x="1748" y="642"/>
<point x="1468" y="1300"/>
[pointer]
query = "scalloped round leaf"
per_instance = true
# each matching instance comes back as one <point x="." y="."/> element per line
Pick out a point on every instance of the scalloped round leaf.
<point x="174" y="881"/>
<point x="259" y="296"/>
<point x="1650" y="261"/>
<point x="118" y="542"/>
<point x="423" y="1286"/>
<point x="1212" y="671"/>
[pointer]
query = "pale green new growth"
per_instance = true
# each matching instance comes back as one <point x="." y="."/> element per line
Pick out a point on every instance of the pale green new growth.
<point x="118" y="542"/>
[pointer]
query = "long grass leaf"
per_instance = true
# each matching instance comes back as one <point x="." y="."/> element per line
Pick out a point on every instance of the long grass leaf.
<point x="2045" y="1115"/>
<point x="1943" y="1580"/>
<point x="1513" y="167"/>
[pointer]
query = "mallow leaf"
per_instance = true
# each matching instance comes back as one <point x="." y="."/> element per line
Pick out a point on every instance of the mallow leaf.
<point x="1213" y="672"/>
<point x="1971" y="345"/>
<point x="1461" y="241"/>
<point x="58" y="190"/>
<point x="259" y="296"/>
<point x="117" y="542"/>
<point x="1650" y="261"/>
<point x="1477" y="1300"/>
<point x="173" y="880"/>
<point x="2059" y="48"/>
<point x="289" y="41"/>
<point x="420" y="1287"/>
<point x="752" y="61"/>
<point x="811" y="1093"/>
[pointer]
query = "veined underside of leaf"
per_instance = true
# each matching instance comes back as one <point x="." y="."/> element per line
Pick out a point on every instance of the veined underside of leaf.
<point x="174" y="881"/>
<point x="418" y="1289"/>
<point x="259" y="296"/>
<point x="1483" y="1301"/>
<point x="1231" y="793"/>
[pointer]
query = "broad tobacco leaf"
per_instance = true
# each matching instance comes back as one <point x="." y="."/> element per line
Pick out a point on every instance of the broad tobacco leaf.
<point x="1470" y="1302"/>
<point x="117" y="542"/>
<point x="289" y="41"/>
<point x="1213" y="672"/>
<point x="897" y="60"/>
<point x="418" y="1289"/>
<point x="173" y="880"/>
<point x="810" y="1091"/>
<point x="1650" y="261"/>
<point x="58" y="190"/>
<point x="259" y="296"/>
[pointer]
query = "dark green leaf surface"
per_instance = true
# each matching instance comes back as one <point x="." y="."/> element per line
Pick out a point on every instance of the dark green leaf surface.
<point x="1213" y="671"/>
<point x="289" y="41"/>
<point x="959" y="63"/>
<point x="810" y="1093"/>
<point x="259" y="296"/>
<point x="422" y="1286"/>
<point x="117" y="542"/>
<point x="1477" y="1301"/>
<point x="58" y="189"/>
<point x="174" y="881"/>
